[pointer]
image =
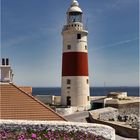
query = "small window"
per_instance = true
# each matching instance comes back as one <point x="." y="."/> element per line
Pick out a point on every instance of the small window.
<point x="85" y="47"/>
<point x="68" y="81"/>
<point x="68" y="87"/>
<point x="68" y="101"/>
<point x="78" y="36"/>
<point x="87" y="81"/>
<point x="68" y="47"/>
<point x="72" y="25"/>
<point x="75" y="25"/>
<point x="88" y="98"/>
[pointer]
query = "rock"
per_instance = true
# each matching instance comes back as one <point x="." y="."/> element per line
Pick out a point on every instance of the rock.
<point x="133" y="120"/>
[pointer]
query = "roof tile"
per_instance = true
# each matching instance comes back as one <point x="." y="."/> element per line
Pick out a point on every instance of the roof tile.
<point x="17" y="104"/>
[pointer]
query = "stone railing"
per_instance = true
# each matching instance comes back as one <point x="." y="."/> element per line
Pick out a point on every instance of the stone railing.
<point x="120" y="129"/>
<point x="101" y="132"/>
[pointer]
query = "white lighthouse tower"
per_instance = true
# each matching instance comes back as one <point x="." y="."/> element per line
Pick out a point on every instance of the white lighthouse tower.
<point x="75" y="77"/>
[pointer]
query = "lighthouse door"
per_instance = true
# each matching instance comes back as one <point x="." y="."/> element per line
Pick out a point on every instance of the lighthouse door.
<point x="68" y="101"/>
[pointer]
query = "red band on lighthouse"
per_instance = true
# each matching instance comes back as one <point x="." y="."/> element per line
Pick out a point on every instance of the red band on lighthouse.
<point x="75" y="64"/>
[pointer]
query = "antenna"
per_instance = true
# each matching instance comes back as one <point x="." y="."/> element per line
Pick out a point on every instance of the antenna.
<point x="104" y="87"/>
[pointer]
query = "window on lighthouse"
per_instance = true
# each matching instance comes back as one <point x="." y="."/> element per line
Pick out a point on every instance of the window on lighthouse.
<point x="78" y="36"/>
<point x="68" y="47"/>
<point x="75" y="17"/>
<point x="68" y="87"/>
<point x="88" y="98"/>
<point x="68" y="81"/>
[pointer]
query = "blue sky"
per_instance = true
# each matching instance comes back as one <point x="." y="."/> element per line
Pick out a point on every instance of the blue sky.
<point x="31" y="38"/>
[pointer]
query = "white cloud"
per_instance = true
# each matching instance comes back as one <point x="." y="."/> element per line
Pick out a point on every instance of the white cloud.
<point x="117" y="44"/>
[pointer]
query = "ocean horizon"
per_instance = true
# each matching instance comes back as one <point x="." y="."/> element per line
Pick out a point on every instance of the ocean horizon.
<point x="94" y="91"/>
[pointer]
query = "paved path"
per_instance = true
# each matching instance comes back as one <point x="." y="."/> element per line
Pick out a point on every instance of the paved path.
<point x="78" y="116"/>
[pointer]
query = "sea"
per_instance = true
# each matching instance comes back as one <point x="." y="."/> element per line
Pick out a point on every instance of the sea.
<point x="94" y="91"/>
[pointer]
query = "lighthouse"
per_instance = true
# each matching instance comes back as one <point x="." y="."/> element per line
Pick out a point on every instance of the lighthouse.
<point x="75" y="76"/>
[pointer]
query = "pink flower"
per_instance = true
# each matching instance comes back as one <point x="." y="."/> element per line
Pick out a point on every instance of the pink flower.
<point x="33" y="136"/>
<point x="46" y="136"/>
<point x="21" y="137"/>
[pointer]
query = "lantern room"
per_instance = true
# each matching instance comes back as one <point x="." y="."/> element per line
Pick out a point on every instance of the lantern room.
<point x="74" y="13"/>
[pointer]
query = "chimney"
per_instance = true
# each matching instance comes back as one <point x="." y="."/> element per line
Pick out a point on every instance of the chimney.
<point x="3" y="61"/>
<point x="6" y="75"/>
<point x="7" y="61"/>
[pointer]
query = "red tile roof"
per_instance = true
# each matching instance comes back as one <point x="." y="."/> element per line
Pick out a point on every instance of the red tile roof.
<point x="26" y="89"/>
<point x="17" y="104"/>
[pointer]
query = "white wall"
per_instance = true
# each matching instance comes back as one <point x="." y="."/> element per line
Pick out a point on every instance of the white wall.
<point x="6" y="74"/>
<point x="77" y="45"/>
<point x="79" y="90"/>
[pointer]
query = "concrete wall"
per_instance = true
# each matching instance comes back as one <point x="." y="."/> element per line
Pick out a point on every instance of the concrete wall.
<point x="57" y="100"/>
<point x="120" y="130"/>
<point x="46" y="99"/>
<point x="128" y="109"/>
<point x="105" y="114"/>
<point x="112" y="115"/>
<point x="49" y="99"/>
<point x="65" y="111"/>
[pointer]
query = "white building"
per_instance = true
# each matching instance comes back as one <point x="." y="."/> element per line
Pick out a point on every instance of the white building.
<point x="75" y="77"/>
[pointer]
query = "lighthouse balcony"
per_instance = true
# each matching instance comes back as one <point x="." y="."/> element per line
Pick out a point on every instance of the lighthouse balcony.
<point x="73" y="26"/>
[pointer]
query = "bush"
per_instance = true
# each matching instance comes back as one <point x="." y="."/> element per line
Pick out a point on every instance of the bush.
<point x="40" y="132"/>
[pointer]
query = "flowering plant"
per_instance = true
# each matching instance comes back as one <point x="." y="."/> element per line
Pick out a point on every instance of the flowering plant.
<point x="40" y="132"/>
